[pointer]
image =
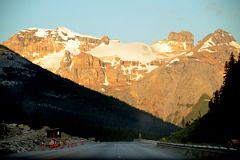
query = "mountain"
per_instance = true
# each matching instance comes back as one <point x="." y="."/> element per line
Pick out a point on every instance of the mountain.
<point x="179" y="89"/>
<point x="66" y="53"/>
<point x="220" y="124"/>
<point x="172" y="78"/>
<point x="36" y="97"/>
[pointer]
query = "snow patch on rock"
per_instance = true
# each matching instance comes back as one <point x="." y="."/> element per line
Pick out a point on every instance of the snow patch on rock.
<point x="174" y="60"/>
<point x="137" y="77"/>
<point x="50" y="61"/>
<point x="206" y="45"/>
<point x="41" y="32"/>
<point x="106" y="83"/>
<point x="125" y="51"/>
<point x="184" y="45"/>
<point x="66" y="33"/>
<point x="206" y="50"/>
<point x="235" y="44"/>
<point x="150" y="68"/>
<point x="73" y="47"/>
<point x="189" y="54"/>
<point x="35" y="54"/>
<point x="161" y="47"/>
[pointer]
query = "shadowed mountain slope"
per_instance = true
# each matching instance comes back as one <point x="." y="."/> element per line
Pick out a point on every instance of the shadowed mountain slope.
<point x="37" y="97"/>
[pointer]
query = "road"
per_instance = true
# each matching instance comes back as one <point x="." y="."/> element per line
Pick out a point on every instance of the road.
<point x="108" y="150"/>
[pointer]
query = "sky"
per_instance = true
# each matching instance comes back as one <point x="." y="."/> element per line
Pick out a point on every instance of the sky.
<point x="127" y="20"/>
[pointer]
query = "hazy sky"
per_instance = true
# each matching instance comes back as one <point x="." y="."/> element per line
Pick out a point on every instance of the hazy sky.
<point x="128" y="20"/>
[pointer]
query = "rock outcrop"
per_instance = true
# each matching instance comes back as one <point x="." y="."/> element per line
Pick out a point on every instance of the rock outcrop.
<point x="185" y="37"/>
<point x="176" y="42"/>
<point x="17" y="138"/>
<point x="105" y="39"/>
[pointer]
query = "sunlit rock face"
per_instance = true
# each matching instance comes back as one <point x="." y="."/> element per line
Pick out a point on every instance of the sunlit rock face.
<point x="177" y="42"/>
<point x="97" y="63"/>
<point x="171" y="78"/>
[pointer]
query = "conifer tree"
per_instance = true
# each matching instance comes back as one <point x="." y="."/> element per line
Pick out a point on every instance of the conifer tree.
<point x="225" y="103"/>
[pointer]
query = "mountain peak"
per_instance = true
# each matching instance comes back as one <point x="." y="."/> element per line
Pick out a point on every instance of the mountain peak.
<point x="219" y="30"/>
<point x="63" y="29"/>
<point x="222" y="35"/>
<point x="219" y="38"/>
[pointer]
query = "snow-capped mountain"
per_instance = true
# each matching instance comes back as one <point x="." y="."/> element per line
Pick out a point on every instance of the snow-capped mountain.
<point x="171" y="78"/>
<point x="219" y="44"/>
<point x="65" y="52"/>
<point x="214" y="41"/>
<point x="47" y="46"/>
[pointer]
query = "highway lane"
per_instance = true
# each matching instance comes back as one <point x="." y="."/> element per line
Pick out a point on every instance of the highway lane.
<point x="108" y="150"/>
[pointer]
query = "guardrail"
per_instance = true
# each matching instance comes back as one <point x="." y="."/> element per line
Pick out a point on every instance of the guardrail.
<point x="220" y="148"/>
<point x="197" y="146"/>
<point x="146" y="141"/>
<point x="196" y="151"/>
<point x="203" y="151"/>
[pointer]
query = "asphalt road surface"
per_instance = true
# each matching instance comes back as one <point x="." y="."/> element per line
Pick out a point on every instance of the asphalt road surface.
<point x="108" y="150"/>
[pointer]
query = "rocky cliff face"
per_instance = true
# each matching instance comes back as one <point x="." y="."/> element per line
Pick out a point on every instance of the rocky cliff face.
<point x="218" y="45"/>
<point x="67" y="54"/>
<point x="173" y="90"/>
<point x="176" y="43"/>
<point x="185" y="37"/>
<point x="171" y="79"/>
<point x="35" y="43"/>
